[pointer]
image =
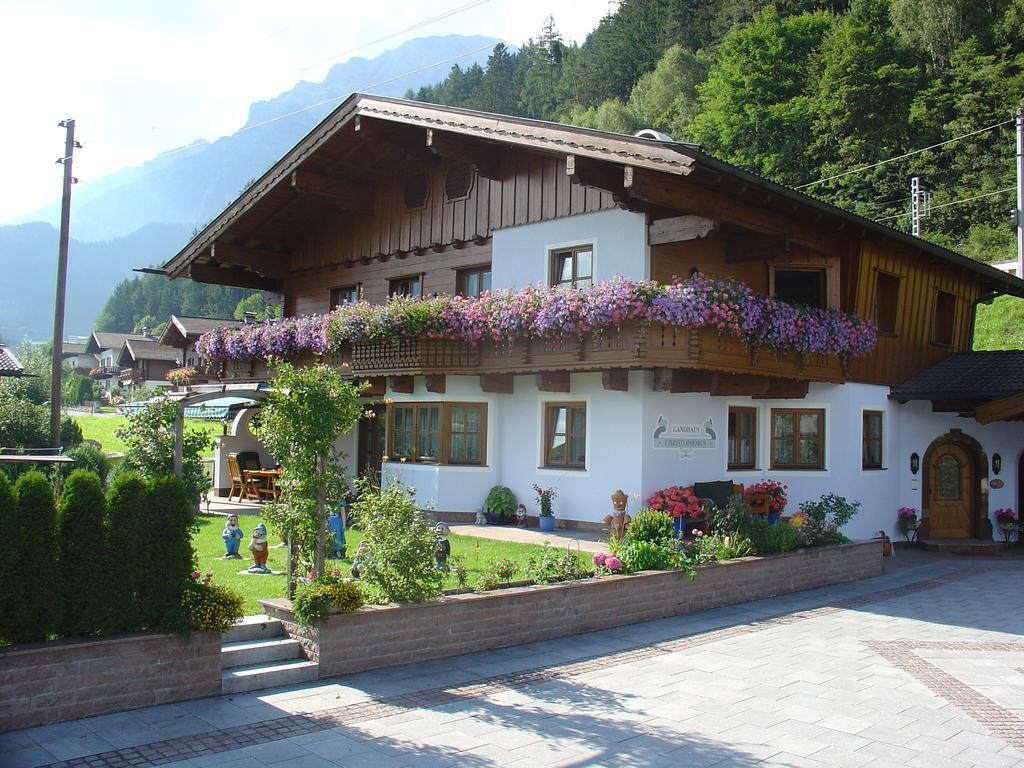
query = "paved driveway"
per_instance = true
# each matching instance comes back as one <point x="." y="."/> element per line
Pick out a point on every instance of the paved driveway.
<point x="921" y="667"/>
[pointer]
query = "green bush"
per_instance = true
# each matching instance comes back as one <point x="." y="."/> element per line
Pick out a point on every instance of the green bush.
<point x="552" y="564"/>
<point x="708" y="548"/>
<point x="70" y="433"/>
<point x="314" y="601"/>
<point x="639" y="555"/>
<point x="651" y="525"/>
<point x="733" y="519"/>
<point x="203" y="606"/>
<point x="126" y="535"/>
<point x="768" y="539"/>
<point x="10" y="552"/>
<point x="81" y="593"/>
<point x="90" y="457"/>
<point x="35" y="581"/>
<point x="501" y="501"/>
<point x="168" y="522"/>
<point x="399" y="544"/>
<point x="824" y="518"/>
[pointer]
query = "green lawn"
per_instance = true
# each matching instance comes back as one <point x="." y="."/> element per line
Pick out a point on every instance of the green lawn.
<point x="477" y="554"/>
<point x="102" y="428"/>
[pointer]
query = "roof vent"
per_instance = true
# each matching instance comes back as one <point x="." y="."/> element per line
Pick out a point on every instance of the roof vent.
<point x="650" y="133"/>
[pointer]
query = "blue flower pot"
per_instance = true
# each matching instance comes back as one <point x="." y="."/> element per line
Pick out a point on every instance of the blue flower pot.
<point x="773" y="518"/>
<point x="678" y="527"/>
<point x="547" y="523"/>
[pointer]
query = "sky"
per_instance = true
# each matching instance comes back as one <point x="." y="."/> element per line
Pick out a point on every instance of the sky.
<point x="141" y="77"/>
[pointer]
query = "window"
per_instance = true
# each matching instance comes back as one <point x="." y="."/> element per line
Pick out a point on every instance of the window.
<point x="742" y="438"/>
<point x="406" y="286"/>
<point x="573" y="267"/>
<point x="871" y="451"/>
<point x="798" y="438"/>
<point x="565" y="435"/>
<point x="887" y="295"/>
<point x="439" y="433"/>
<point x="801" y="286"/>
<point x="473" y="281"/>
<point x="945" y="318"/>
<point x="458" y="181"/>
<point x="347" y="294"/>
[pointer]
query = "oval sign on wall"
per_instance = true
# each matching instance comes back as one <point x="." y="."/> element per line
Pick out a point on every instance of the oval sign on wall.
<point x="995" y="483"/>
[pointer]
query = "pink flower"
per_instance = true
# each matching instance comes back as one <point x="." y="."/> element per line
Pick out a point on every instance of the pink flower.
<point x="612" y="563"/>
<point x="599" y="558"/>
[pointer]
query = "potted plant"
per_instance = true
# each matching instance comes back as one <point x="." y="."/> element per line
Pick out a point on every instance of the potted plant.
<point x="906" y="519"/>
<point x="547" y="514"/>
<point x="771" y="491"/>
<point x="1006" y="519"/>
<point x="500" y="505"/>
<point x="678" y="503"/>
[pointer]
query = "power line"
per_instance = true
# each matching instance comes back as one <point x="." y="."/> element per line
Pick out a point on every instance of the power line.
<point x="900" y="157"/>
<point x="417" y="25"/>
<point x="955" y="202"/>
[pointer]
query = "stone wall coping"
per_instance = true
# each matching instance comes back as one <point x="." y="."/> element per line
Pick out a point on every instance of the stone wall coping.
<point x="108" y="641"/>
<point x="281" y="608"/>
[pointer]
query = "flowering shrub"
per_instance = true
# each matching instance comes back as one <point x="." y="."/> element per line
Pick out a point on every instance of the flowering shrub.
<point x="729" y="307"/>
<point x="906" y="519"/>
<point x="774" y="490"/>
<point x="314" y="600"/>
<point x="206" y="606"/>
<point x="675" y="501"/>
<point x="609" y="563"/>
<point x="1005" y="516"/>
<point x="544" y="498"/>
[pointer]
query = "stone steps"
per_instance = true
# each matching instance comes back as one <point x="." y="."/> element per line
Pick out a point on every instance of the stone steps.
<point x="258" y="654"/>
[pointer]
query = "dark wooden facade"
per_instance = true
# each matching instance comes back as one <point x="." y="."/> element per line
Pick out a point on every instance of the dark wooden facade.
<point x="335" y="213"/>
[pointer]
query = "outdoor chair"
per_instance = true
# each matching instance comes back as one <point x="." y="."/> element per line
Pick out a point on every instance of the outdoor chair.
<point x="716" y="495"/>
<point x="237" y="483"/>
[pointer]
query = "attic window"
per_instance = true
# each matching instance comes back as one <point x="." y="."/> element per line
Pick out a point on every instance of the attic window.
<point x="458" y="181"/>
<point x="417" y="187"/>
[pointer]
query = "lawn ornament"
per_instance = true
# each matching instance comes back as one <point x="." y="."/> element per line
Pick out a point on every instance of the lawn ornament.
<point x="232" y="536"/>
<point x="481" y="516"/>
<point x="521" y="516"/>
<point x="442" y="547"/>
<point x="260" y="549"/>
<point x="361" y="558"/>
<point x="619" y="519"/>
<point x="336" y="525"/>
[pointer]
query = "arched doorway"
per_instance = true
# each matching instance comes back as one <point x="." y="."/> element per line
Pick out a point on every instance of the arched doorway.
<point x="952" y="500"/>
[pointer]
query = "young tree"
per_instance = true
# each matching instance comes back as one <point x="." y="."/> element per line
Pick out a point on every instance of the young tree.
<point x="168" y="523"/>
<point x="127" y="534"/>
<point x="302" y="419"/>
<point x="34" y="581"/>
<point x="81" y="595"/>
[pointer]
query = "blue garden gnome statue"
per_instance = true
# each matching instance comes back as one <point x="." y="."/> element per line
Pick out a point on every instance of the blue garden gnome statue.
<point x="260" y="549"/>
<point x="232" y="536"/>
<point x="336" y="525"/>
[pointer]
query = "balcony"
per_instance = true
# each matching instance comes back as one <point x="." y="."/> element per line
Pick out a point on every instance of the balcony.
<point x="105" y="371"/>
<point x="633" y="345"/>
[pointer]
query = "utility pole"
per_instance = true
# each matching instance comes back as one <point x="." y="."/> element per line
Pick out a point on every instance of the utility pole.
<point x="920" y="204"/>
<point x="1018" y="213"/>
<point x="57" y="360"/>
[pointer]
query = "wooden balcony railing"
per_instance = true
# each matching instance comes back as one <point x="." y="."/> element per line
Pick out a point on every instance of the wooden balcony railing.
<point x="633" y="345"/>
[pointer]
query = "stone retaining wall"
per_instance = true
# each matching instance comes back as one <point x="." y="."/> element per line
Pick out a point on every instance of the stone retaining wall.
<point x="384" y="636"/>
<point x="65" y="680"/>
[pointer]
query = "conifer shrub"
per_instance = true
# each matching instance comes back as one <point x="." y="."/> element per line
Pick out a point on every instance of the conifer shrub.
<point x="90" y="457"/>
<point x="126" y="536"/>
<point x="81" y="558"/>
<point x="35" y="580"/>
<point x="168" y="523"/>
<point x="8" y="552"/>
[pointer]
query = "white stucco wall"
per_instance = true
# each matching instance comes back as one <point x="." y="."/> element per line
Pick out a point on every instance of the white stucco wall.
<point x="622" y="452"/>
<point x="519" y="255"/>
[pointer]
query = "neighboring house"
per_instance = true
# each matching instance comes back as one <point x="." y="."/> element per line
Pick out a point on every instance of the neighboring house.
<point x="393" y="197"/>
<point x="183" y="332"/>
<point x="106" y="347"/>
<point x="81" y="362"/>
<point x="9" y="363"/>
<point x="146" y="362"/>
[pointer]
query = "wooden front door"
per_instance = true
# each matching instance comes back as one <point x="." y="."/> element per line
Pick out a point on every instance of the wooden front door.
<point x="950" y="493"/>
<point x="371" y="441"/>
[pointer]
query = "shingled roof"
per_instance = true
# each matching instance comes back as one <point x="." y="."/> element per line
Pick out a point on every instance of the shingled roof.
<point x="145" y="349"/>
<point x="9" y="364"/>
<point x="181" y="327"/>
<point x="971" y="377"/>
<point x="100" y="340"/>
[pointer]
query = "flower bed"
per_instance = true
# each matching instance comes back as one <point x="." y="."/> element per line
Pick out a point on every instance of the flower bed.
<point x="466" y="623"/>
<point x="728" y="307"/>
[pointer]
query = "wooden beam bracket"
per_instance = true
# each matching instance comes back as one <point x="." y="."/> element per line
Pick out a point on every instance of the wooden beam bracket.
<point x="497" y="383"/>
<point x="349" y="195"/>
<point x="553" y="381"/>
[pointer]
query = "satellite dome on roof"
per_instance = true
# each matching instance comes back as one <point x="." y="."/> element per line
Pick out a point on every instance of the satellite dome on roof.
<point x="650" y="133"/>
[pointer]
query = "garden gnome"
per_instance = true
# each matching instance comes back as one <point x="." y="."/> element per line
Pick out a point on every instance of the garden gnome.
<point x="481" y="516"/>
<point x="232" y="536"/>
<point x="260" y="549"/>
<point x="521" y="516"/>
<point x="336" y="525"/>
<point x="619" y="519"/>
<point x="442" y="547"/>
<point x="361" y="558"/>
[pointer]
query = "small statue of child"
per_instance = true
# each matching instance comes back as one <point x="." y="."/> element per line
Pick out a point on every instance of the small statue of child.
<point x="232" y="536"/>
<point x="442" y="547"/>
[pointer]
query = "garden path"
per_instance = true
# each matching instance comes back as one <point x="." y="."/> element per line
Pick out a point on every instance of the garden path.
<point x="919" y="668"/>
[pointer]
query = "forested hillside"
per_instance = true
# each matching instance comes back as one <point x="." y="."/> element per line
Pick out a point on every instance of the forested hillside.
<point x="799" y="91"/>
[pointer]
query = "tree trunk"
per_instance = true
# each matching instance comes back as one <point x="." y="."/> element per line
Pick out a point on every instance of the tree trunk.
<point x="321" y="516"/>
